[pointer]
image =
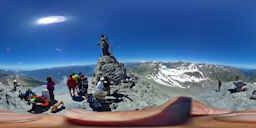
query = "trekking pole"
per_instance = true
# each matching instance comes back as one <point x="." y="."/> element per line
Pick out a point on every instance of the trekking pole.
<point x="111" y="49"/>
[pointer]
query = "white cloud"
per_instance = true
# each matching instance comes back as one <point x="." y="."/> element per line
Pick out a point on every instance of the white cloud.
<point x="8" y="49"/>
<point x="58" y="50"/>
<point x="51" y="20"/>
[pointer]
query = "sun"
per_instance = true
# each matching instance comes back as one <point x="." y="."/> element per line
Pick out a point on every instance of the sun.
<point x="51" y="20"/>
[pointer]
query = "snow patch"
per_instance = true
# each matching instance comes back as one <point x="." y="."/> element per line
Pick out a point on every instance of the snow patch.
<point x="174" y="77"/>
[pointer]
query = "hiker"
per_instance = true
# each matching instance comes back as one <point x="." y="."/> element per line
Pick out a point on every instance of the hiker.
<point x="104" y="45"/>
<point x="79" y="83"/>
<point x="240" y="85"/>
<point x="80" y="74"/>
<point x="99" y="93"/>
<point x="106" y="85"/>
<point x="79" y="77"/>
<point x="253" y="97"/>
<point x="75" y="77"/>
<point x="83" y="86"/>
<point x="15" y="84"/>
<point x="27" y="95"/>
<point x="39" y="103"/>
<point x="71" y="83"/>
<point x="219" y="85"/>
<point x="50" y="87"/>
<point x="46" y="94"/>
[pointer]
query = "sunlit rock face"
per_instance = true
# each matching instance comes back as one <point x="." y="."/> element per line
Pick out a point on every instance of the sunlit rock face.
<point x="51" y="20"/>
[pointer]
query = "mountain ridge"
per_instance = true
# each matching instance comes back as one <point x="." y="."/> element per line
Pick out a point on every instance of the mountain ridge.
<point x="200" y="72"/>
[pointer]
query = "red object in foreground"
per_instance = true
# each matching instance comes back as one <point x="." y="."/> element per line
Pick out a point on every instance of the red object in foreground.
<point x="180" y="112"/>
<point x="173" y="112"/>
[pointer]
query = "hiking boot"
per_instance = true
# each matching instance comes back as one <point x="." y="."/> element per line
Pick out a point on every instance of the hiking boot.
<point x="30" y="111"/>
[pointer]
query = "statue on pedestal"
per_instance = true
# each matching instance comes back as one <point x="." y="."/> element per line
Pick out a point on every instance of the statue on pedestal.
<point x="104" y="45"/>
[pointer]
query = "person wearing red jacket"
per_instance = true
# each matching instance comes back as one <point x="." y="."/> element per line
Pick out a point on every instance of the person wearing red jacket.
<point x="71" y="83"/>
<point x="39" y="104"/>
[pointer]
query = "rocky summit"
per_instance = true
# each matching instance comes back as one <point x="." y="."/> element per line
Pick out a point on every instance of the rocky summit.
<point x="141" y="91"/>
<point x="109" y="66"/>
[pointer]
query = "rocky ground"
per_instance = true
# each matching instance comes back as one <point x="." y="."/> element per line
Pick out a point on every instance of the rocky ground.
<point x="139" y="93"/>
<point x="10" y="101"/>
<point x="144" y="94"/>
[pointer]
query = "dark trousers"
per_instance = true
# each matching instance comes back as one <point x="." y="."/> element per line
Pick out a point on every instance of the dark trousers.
<point x="83" y="89"/>
<point x="51" y="94"/>
<point x="219" y="87"/>
<point x="105" y="52"/>
<point x="14" y="89"/>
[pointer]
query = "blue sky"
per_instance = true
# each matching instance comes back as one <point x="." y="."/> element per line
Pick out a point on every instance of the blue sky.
<point x="218" y="31"/>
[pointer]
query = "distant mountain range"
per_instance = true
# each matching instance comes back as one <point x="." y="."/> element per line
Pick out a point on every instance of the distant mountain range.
<point x="7" y="78"/>
<point x="186" y="74"/>
<point x="250" y="73"/>
<point x="58" y="73"/>
<point x="173" y="74"/>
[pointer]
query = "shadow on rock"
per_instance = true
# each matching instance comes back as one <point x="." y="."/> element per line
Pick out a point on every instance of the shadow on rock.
<point x="120" y="95"/>
<point x="104" y="105"/>
<point x="77" y="98"/>
<point x="97" y="105"/>
<point x="235" y="90"/>
<point x="39" y="110"/>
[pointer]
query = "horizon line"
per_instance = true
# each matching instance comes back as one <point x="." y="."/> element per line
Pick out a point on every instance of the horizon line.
<point x="131" y="61"/>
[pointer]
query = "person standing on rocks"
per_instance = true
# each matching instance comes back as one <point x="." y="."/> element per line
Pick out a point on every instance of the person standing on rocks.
<point x="15" y="84"/>
<point x="79" y="83"/>
<point x="219" y="85"/>
<point x="71" y="83"/>
<point x="83" y="86"/>
<point x="104" y="45"/>
<point x="75" y="77"/>
<point x="50" y="88"/>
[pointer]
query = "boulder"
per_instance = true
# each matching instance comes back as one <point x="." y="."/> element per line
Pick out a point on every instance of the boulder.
<point x="110" y="67"/>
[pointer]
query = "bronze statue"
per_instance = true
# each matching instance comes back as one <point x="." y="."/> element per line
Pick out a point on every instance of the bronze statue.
<point x="104" y="45"/>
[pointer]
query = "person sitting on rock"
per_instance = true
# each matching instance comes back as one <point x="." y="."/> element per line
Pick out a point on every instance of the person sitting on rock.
<point x="106" y="85"/>
<point x="240" y="85"/>
<point x="27" y="95"/>
<point x="39" y="104"/>
<point x="71" y="83"/>
<point x="100" y="93"/>
<point x="46" y="94"/>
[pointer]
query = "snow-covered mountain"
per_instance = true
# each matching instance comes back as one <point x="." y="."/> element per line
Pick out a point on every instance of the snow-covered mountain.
<point x="186" y="74"/>
<point x="174" y="77"/>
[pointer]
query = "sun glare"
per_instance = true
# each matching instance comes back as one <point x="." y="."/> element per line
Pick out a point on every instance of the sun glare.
<point x="51" y="20"/>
